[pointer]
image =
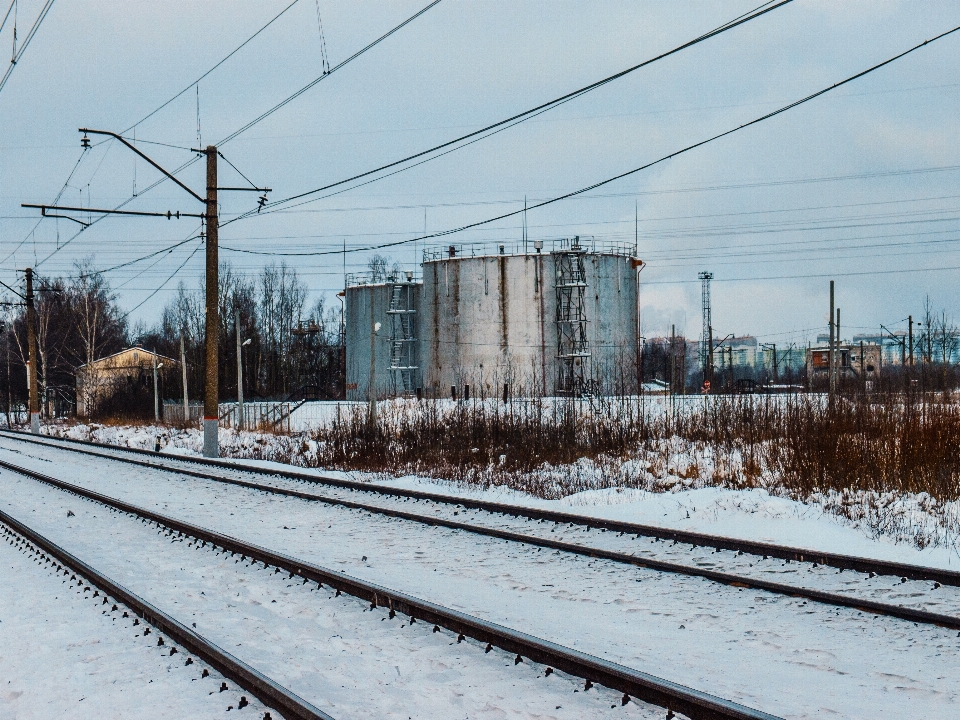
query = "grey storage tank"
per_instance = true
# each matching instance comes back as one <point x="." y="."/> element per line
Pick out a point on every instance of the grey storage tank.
<point x="561" y="321"/>
<point x="382" y="347"/>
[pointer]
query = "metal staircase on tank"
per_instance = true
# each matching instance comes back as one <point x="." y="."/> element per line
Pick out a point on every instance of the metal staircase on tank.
<point x="402" y="314"/>
<point x="573" y="348"/>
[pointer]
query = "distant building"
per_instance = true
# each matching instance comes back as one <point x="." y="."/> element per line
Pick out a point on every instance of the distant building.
<point x="103" y="378"/>
<point x="851" y="363"/>
<point x="891" y="348"/>
<point x="739" y="352"/>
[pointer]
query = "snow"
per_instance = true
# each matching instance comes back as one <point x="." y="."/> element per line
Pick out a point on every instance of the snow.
<point x="750" y="514"/>
<point x="333" y="651"/>
<point x="779" y="654"/>
<point x="63" y="658"/>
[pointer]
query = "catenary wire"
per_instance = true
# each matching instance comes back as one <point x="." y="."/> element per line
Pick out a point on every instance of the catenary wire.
<point x="543" y="107"/>
<point x="326" y="74"/>
<point x="197" y="81"/>
<point x="662" y="159"/>
<point x="163" y="284"/>
<point x="193" y="160"/>
<point x="26" y="41"/>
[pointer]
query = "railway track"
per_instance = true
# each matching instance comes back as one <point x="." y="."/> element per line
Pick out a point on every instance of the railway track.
<point x="269" y="692"/>
<point x="744" y="580"/>
<point x="675" y="697"/>
<point x="165" y="461"/>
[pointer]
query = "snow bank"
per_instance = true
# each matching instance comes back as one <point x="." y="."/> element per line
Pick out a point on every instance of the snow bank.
<point x="677" y="487"/>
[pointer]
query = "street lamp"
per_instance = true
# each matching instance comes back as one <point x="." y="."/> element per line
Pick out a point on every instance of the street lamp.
<point x="240" y="346"/>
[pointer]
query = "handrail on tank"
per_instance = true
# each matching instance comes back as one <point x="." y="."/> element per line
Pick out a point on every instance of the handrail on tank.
<point x="493" y="248"/>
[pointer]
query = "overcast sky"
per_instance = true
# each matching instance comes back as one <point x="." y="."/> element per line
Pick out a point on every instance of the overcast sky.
<point x="860" y="185"/>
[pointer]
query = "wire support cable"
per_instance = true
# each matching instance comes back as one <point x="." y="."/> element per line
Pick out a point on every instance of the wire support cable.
<point x="197" y="81"/>
<point x="458" y="143"/>
<point x="246" y="127"/>
<point x="26" y="41"/>
<point x="164" y="283"/>
<point x="628" y="173"/>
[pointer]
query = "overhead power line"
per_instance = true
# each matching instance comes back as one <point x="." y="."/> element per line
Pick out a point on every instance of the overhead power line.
<point x="831" y="274"/>
<point x="26" y="41"/>
<point x="456" y="143"/>
<point x="326" y="74"/>
<point x="622" y="175"/>
<point x="297" y="94"/>
<point x="163" y="284"/>
<point x="225" y="58"/>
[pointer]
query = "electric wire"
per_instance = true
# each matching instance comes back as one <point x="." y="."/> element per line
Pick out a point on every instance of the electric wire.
<point x="543" y="107"/>
<point x="66" y="184"/>
<point x="193" y="160"/>
<point x="5" y="17"/>
<point x="811" y="275"/>
<point x="26" y="41"/>
<point x="163" y="284"/>
<point x="197" y="81"/>
<point x="325" y="75"/>
<point x="167" y="249"/>
<point x="622" y="175"/>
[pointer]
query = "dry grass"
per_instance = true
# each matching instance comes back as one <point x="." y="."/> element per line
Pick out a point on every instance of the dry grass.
<point x="797" y="444"/>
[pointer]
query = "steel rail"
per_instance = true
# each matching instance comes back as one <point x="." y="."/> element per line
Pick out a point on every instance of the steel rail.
<point x="717" y="542"/>
<point x="633" y="683"/>
<point x="268" y="691"/>
<point x="827" y="598"/>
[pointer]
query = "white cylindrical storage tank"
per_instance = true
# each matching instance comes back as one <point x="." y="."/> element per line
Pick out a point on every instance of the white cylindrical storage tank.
<point x="531" y="320"/>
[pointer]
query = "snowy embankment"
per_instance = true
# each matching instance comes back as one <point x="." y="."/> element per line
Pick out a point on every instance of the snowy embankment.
<point x="905" y="528"/>
<point x="339" y="654"/>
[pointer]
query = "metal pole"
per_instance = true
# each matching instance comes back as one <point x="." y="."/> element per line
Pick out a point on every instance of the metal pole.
<point x="830" y="356"/>
<point x="239" y="373"/>
<point x="371" y="391"/>
<point x="710" y="354"/>
<point x="9" y="390"/>
<point x="32" y="355"/>
<point x="839" y="354"/>
<point x="156" y="395"/>
<point x="910" y="320"/>
<point x="183" y="367"/>
<point x="211" y="411"/>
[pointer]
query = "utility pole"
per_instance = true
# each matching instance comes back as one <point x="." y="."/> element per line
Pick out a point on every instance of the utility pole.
<point x="910" y="321"/>
<point x="863" y="369"/>
<point x="673" y="358"/>
<point x="211" y="415"/>
<point x="838" y="355"/>
<point x="773" y="346"/>
<point x="9" y="390"/>
<point x="32" y="355"/>
<point x="211" y="408"/>
<point x="830" y="357"/>
<point x="183" y="367"/>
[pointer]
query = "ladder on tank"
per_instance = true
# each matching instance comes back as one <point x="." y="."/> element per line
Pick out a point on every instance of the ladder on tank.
<point x="573" y="348"/>
<point x="402" y="340"/>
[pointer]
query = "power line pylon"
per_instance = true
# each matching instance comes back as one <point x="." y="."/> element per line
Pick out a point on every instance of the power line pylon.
<point x="706" y="342"/>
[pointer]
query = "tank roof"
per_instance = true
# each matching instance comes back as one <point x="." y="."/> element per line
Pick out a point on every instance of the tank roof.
<point x="494" y="248"/>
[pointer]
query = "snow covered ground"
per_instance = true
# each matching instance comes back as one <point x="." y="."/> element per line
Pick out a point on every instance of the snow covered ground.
<point x="63" y="655"/>
<point x="780" y="654"/>
<point x="330" y="650"/>
<point x="879" y="527"/>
